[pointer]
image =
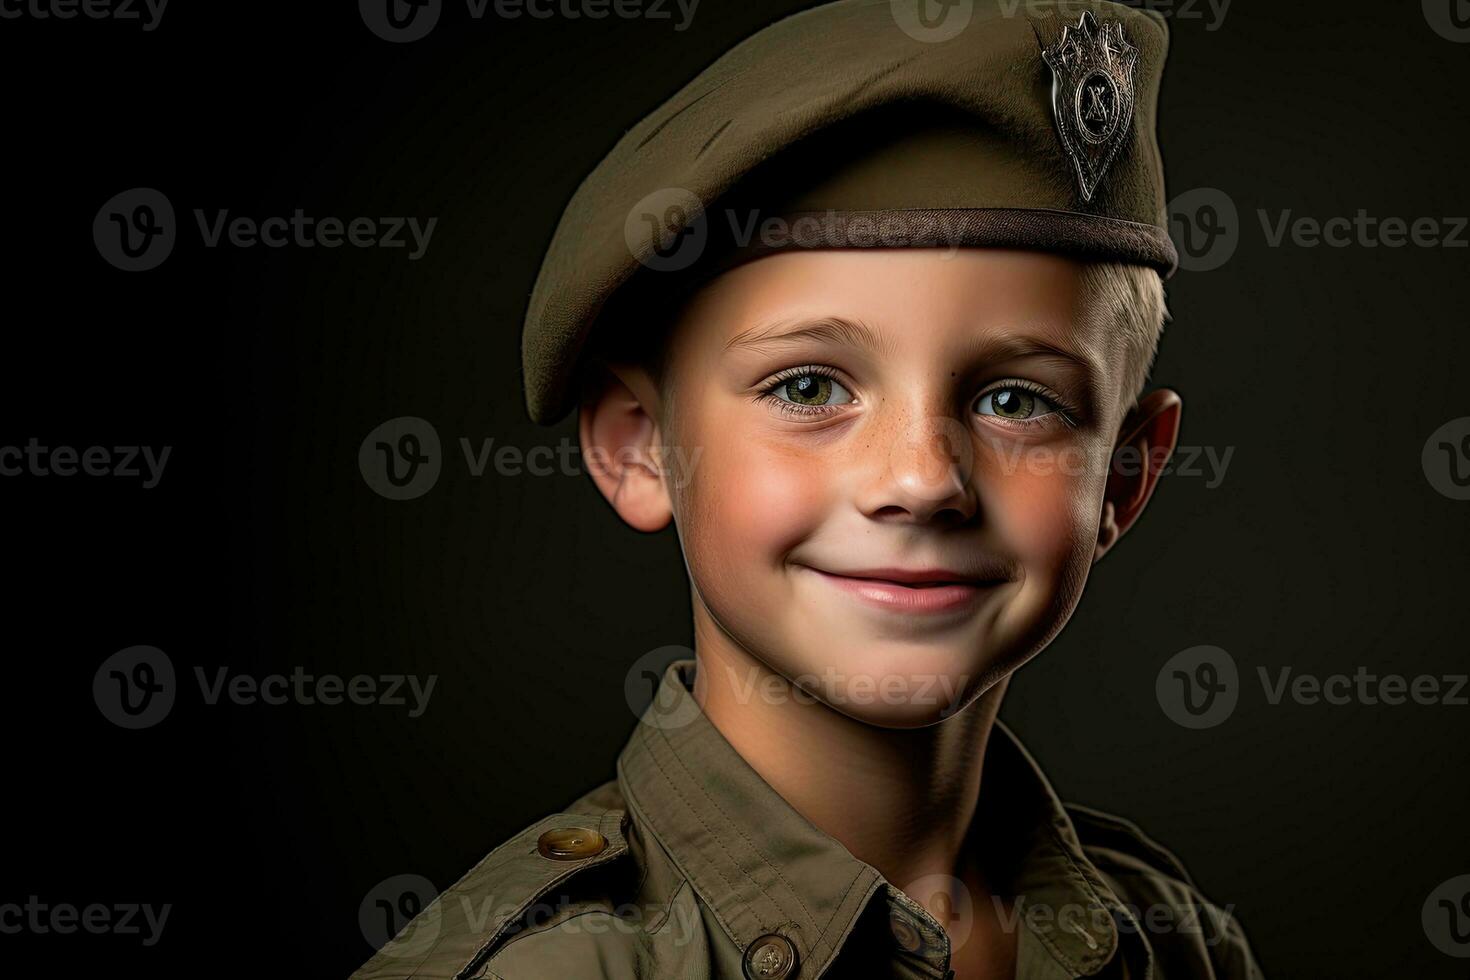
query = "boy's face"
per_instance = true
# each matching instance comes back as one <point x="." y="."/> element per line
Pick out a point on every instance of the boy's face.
<point x="896" y="466"/>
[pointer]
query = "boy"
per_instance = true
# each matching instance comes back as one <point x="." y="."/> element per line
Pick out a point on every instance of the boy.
<point x="899" y="359"/>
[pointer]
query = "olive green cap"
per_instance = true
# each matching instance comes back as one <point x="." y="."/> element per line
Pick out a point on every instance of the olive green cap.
<point x="870" y="123"/>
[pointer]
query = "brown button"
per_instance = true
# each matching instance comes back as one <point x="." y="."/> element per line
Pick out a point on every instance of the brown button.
<point x="571" y="844"/>
<point x="770" y="958"/>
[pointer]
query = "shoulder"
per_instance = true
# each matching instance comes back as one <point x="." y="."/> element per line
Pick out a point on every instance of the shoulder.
<point x="1189" y="934"/>
<point x="567" y="865"/>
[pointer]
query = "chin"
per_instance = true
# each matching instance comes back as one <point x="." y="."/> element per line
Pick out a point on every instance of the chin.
<point x="888" y="684"/>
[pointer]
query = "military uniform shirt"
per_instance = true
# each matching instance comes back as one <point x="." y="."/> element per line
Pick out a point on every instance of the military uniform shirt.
<point x="689" y="866"/>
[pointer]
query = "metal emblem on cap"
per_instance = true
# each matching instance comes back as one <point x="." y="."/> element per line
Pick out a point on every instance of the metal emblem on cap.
<point x="1092" y="95"/>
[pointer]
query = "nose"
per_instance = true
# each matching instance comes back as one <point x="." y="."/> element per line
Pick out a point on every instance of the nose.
<point x="926" y="475"/>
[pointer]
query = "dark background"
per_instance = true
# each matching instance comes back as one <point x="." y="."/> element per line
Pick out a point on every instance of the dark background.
<point x="263" y="549"/>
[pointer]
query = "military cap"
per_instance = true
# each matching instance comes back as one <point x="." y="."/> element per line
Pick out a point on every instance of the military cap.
<point x="860" y="123"/>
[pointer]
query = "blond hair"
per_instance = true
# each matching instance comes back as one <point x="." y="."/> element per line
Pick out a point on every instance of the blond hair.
<point x="1129" y="299"/>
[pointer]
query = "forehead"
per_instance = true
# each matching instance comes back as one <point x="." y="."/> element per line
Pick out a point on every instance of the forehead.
<point x="915" y="300"/>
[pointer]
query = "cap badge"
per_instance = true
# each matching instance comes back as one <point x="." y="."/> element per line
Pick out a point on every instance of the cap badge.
<point x="1092" y="95"/>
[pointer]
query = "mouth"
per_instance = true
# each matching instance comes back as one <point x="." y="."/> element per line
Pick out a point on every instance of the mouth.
<point x="913" y="590"/>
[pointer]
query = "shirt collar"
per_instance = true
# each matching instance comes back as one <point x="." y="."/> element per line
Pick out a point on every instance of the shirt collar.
<point x="763" y="869"/>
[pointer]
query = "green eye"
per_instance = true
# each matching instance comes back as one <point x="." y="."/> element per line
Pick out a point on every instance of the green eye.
<point x="811" y="389"/>
<point x="1016" y="404"/>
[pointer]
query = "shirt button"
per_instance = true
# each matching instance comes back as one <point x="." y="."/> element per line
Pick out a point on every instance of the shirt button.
<point x="571" y="844"/>
<point x="770" y="957"/>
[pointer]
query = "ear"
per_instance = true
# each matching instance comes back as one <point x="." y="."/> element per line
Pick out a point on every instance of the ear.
<point x="621" y="443"/>
<point x="1145" y="443"/>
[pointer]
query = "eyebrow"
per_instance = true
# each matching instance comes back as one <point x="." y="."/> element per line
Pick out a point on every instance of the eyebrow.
<point x="855" y="333"/>
<point x="1012" y="346"/>
<point x="827" y="329"/>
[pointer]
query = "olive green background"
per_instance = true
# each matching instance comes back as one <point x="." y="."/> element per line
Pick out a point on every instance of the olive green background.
<point x="1325" y="548"/>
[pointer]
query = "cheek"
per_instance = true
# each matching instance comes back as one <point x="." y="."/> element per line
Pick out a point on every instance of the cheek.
<point x="1048" y="518"/>
<point x="748" y="503"/>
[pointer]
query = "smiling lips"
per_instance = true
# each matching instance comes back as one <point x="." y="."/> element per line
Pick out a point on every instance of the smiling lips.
<point x="924" y="590"/>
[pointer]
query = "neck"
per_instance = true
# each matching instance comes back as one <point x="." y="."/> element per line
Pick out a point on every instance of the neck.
<point x="901" y="800"/>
